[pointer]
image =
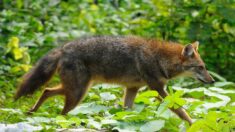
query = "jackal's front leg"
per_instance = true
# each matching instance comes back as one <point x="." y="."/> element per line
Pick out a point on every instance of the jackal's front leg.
<point x="129" y="96"/>
<point x="179" y="111"/>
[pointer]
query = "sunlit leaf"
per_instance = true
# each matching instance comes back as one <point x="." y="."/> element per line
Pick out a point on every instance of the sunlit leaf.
<point x="75" y="120"/>
<point x="149" y="93"/>
<point x="106" y="96"/>
<point x="88" y="108"/>
<point x="152" y="126"/>
<point x="17" y="53"/>
<point x="94" y="124"/>
<point x="62" y="121"/>
<point x="217" y="76"/>
<point x="109" y="122"/>
<point x="13" y="43"/>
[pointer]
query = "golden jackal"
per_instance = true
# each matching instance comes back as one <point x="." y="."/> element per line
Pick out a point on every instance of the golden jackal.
<point x="130" y="61"/>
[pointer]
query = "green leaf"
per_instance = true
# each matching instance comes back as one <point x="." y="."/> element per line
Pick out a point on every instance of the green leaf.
<point x="128" y="126"/>
<point x="223" y="84"/>
<point x="106" y="121"/>
<point x="123" y="114"/>
<point x="174" y="100"/>
<point x="94" y="124"/>
<point x="163" y="111"/>
<point x="138" y="107"/>
<point x="152" y="126"/>
<point x="106" y="96"/>
<point x="25" y="68"/>
<point x="145" y="97"/>
<point x="179" y="93"/>
<point x="60" y="120"/>
<point x="19" y="3"/>
<point x="17" y="53"/>
<point x="37" y="120"/>
<point x="13" y="43"/>
<point x="180" y="101"/>
<point x="75" y="120"/>
<point x="26" y="57"/>
<point x="88" y="108"/>
<point x="220" y="78"/>
<point x="142" y="100"/>
<point x="149" y="93"/>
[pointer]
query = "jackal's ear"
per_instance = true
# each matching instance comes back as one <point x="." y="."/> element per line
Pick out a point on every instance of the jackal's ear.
<point x="188" y="51"/>
<point x="195" y="45"/>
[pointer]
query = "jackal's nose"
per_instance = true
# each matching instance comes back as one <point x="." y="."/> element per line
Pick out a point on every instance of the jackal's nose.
<point x="212" y="81"/>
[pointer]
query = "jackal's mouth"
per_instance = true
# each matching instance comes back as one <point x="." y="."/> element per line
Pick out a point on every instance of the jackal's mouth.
<point x="202" y="80"/>
<point x="206" y="82"/>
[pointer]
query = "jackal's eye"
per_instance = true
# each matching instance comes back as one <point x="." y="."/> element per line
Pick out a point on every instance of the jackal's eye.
<point x="200" y="67"/>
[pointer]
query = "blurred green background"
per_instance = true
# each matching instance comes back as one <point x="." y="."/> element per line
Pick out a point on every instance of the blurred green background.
<point x="30" y="28"/>
<point x="41" y="25"/>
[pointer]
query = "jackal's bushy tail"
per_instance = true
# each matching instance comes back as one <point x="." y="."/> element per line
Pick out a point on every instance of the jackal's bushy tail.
<point x="39" y="74"/>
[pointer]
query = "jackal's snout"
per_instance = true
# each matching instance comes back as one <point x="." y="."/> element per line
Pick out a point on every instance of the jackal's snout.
<point x="205" y="77"/>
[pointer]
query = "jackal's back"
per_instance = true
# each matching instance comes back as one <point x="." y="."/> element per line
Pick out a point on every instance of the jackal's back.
<point x="108" y="57"/>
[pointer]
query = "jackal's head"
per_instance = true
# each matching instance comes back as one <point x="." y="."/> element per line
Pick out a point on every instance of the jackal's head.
<point x="192" y="63"/>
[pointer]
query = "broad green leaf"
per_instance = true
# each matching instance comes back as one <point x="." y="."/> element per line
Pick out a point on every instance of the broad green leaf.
<point x="138" y="107"/>
<point x="163" y="111"/>
<point x="149" y="93"/>
<point x="196" y="94"/>
<point x="174" y="100"/>
<point x="223" y="84"/>
<point x="122" y="114"/>
<point x="142" y="100"/>
<point x="221" y="90"/>
<point x="180" y="101"/>
<point x="220" y="78"/>
<point x="62" y="121"/>
<point x="106" y="96"/>
<point x="179" y="93"/>
<point x="94" y="124"/>
<point x="37" y="120"/>
<point x="17" y="111"/>
<point x="128" y="126"/>
<point x="152" y="126"/>
<point x="145" y="97"/>
<point x="75" y="120"/>
<point x="106" y="121"/>
<point x="88" y="108"/>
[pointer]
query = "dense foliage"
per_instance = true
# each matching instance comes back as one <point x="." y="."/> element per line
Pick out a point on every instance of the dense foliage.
<point x="28" y="29"/>
<point x="43" y="24"/>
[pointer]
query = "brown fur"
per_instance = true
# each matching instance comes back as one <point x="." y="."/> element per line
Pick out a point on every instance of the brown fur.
<point x="39" y="75"/>
<point x="130" y="61"/>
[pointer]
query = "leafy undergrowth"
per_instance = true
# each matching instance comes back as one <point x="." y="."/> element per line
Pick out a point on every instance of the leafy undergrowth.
<point x="211" y="106"/>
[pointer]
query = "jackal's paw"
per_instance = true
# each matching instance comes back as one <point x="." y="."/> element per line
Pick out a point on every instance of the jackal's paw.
<point x="30" y="112"/>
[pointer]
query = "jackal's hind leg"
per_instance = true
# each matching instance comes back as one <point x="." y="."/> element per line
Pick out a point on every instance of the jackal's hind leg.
<point x="72" y="98"/>
<point x="48" y="92"/>
<point x="75" y="79"/>
<point x="129" y="96"/>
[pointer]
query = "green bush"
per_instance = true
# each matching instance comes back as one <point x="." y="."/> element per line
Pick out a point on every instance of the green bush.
<point x="28" y="29"/>
<point x="43" y="24"/>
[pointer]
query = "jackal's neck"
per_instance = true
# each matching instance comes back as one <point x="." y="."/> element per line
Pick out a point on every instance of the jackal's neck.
<point x="169" y="56"/>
